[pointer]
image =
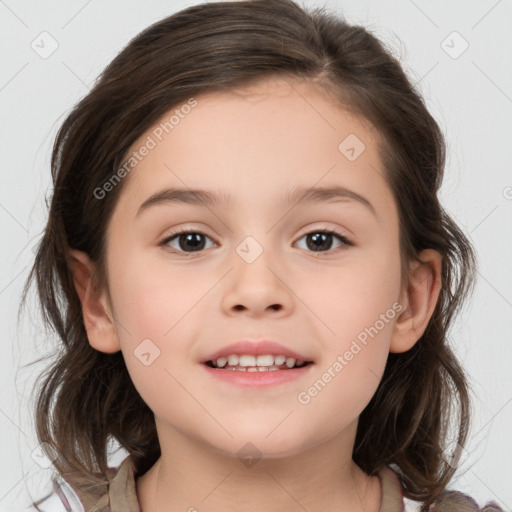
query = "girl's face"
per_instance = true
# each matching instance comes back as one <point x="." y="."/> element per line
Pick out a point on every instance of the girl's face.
<point x="258" y="267"/>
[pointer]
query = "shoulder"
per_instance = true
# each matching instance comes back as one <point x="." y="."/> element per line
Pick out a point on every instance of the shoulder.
<point x="411" y="506"/>
<point x="62" y="498"/>
<point x="115" y="490"/>
<point x="394" y="499"/>
<point x="453" y="501"/>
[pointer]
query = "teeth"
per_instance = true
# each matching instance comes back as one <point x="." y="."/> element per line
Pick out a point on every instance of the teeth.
<point x="221" y="361"/>
<point x="232" y="360"/>
<point x="252" y="363"/>
<point x="279" y="360"/>
<point x="290" y="362"/>
<point x="264" y="360"/>
<point x="247" y="361"/>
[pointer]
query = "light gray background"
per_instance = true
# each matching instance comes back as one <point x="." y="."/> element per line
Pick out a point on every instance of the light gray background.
<point x="470" y="96"/>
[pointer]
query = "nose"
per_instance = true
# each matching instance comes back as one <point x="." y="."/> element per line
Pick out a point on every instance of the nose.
<point x="258" y="287"/>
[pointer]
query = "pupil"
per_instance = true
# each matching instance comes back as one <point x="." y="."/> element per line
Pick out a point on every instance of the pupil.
<point x="319" y="241"/>
<point x="194" y="240"/>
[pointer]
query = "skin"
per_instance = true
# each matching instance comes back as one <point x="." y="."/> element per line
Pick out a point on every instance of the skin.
<point x="255" y="144"/>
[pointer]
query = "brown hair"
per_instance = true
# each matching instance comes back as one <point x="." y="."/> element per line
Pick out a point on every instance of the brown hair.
<point x="87" y="397"/>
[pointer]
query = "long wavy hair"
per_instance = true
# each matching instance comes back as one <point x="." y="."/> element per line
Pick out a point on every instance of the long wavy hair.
<point x="87" y="398"/>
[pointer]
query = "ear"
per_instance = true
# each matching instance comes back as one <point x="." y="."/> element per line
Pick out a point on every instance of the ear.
<point x="418" y="298"/>
<point x="98" y="318"/>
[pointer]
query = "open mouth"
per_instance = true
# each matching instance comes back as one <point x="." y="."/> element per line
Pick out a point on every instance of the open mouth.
<point x="249" y="364"/>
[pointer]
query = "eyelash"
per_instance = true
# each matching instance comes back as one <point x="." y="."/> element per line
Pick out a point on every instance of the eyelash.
<point x="183" y="231"/>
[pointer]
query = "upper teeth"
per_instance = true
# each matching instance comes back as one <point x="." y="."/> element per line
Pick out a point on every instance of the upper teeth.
<point x="265" y="360"/>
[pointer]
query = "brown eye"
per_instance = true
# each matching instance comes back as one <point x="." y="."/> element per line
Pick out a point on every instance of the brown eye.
<point x="322" y="240"/>
<point x="186" y="241"/>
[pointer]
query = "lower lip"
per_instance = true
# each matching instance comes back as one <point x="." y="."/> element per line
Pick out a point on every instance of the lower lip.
<point x="259" y="379"/>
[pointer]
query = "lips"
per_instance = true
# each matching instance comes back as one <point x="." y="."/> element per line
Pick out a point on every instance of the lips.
<point x="256" y="348"/>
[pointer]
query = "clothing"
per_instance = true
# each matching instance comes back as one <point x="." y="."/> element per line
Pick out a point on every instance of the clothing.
<point x="118" y="494"/>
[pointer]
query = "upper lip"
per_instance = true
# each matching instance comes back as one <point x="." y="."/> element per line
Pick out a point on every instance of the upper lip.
<point x="256" y="348"/>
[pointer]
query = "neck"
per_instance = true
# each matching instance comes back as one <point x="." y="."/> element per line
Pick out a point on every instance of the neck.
<point x="192" y="476"/>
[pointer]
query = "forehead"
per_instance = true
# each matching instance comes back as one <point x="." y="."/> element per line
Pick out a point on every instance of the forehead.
<point x="269" y="136"/>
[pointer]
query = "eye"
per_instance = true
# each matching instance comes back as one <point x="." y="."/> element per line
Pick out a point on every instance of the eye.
<point x="321" y="240"/>
<point x="185" y="240"/>
<point x="188" y="242"/>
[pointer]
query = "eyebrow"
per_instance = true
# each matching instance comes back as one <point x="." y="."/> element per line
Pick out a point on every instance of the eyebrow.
<point x="207" y="198"/>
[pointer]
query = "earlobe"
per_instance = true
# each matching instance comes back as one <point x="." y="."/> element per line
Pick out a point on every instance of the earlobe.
<point x="98" y="318"/>
<point x="419" y="300"/>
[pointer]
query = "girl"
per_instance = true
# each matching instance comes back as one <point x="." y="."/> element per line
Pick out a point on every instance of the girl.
<point x="252" y="276"/>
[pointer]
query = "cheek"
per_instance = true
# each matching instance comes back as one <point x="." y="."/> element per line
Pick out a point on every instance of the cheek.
<point x="150" y="300"/>
<point x="157" y="314"/>
<point x="354" y="296"/>
<point x="359" y="306"/>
